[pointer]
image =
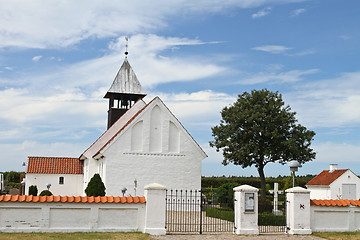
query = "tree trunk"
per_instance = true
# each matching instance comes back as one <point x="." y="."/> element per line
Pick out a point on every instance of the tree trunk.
<point x="263" y="183"/>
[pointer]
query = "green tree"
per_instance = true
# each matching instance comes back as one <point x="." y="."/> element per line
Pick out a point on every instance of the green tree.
<point x="225" y="195"/>
<point x="95" y="187"/>
<point x="33" y="190"/>
<point x="13" y="177"/>
<point x="257" y="129"/>
<point x="289" y="182"/>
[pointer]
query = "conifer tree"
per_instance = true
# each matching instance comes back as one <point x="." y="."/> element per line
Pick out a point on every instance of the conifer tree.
<point x="95" y="187"/>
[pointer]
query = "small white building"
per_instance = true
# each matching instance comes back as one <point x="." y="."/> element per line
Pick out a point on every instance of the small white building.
<point x="144" y="143"/>
<point x="335" y="184"/>
<point x="63" y="173"/>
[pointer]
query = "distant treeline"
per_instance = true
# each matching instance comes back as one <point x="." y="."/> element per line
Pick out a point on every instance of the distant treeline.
<point x="215" y="182"/>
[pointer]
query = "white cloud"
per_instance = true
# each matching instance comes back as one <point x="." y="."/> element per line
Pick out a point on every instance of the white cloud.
<point x="56" y="24"/>
<point x="297" y="12"/>
<point x="275" y="77"/>
<point x="262" y="13"/>
<point x="36" y="58"/>
<point x="344" y="37"/>
<point x="275" y="49"/>
<point x="202" y="106"/>
<point x="13" y="155"/>
<point x="337" y="152"/>
<point x="329" y="102"/>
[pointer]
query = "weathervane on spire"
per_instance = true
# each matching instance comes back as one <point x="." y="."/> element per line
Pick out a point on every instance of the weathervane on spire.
<point x="126" y="46"/>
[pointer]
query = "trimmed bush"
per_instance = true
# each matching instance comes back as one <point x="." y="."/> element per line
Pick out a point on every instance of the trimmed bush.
<point x="45" y="193"/>
<point x="33" y="190"/>
<point x="95" y="187"/>
<point x="269" y="219"/>
<point x="221" y="213"/>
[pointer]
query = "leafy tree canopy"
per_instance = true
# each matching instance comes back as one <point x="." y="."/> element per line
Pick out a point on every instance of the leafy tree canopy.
<point x="95" y="187"/>
<point x="257" y="129"/>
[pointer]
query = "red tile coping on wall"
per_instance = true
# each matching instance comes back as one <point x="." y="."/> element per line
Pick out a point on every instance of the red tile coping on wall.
<point x="71" y="199"/>
<point x="335" y="202"/>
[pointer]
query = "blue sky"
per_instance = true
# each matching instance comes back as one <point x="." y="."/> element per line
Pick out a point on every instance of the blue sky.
<point x="58" y="59"/>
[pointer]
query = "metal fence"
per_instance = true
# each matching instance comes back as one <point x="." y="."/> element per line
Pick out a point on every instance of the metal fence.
<point x="190" y="211"/>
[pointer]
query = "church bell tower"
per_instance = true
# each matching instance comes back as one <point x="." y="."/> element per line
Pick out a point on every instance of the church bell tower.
<point x="123" y="93"/>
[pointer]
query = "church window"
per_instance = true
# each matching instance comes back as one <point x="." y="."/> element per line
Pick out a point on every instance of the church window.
<point x="61" y="180"/>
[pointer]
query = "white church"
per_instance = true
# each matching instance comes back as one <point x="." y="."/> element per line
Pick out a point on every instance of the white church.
<point x="144" y="143"/>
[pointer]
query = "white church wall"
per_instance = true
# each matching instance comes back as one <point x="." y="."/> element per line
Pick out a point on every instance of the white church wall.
<point x="174" y="170"/>
<point x="72" y="185"/>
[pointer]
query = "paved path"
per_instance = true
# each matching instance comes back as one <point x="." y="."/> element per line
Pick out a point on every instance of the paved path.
<point x="235" y="237"/>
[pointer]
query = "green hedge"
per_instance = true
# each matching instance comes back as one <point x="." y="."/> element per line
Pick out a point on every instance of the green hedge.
<point x="269" y="219"/>
<point x="221" y="213"/>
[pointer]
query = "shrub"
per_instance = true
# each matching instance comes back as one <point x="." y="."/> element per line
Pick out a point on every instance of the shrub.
<point x="269" y="219"/>
<point x="45" y="193"/>
<point x="95" y="187"/>
<point x="33" y="190"/>
<point x="265" y="205"/>
<point x="225" y="195"/>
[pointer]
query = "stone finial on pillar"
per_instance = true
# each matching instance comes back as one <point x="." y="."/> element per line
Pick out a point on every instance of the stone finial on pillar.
<point x="298" y="210"/>
<point x="246" y="210"/>
<point x="155" y="212"/>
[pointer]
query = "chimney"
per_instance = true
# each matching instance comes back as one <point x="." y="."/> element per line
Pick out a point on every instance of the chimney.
<point x="333" y="166"/>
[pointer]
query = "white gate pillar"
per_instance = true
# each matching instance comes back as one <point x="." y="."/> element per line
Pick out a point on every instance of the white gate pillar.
<point x="246" y="209"/>
<point x="155" y="212"/>
<point x="298" y="210"/>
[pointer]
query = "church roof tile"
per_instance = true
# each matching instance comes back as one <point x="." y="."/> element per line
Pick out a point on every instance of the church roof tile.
<point x="71" y="199"/>
<point x="55" y="165"/>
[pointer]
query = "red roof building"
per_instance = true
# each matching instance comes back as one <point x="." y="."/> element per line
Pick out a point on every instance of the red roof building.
<point x="335" y="184"/>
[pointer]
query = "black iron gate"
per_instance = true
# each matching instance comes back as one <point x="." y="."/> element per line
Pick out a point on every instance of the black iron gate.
<point x="191" y="211"/>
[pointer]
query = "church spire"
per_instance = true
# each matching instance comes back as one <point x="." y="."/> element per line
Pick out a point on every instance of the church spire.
<point x="124" y="91"/>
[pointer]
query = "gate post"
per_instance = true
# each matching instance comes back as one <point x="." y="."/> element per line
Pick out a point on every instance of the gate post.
<point x="246" y="210"/>
<point x="298" y="210"/>
<point x="155" y="211"/>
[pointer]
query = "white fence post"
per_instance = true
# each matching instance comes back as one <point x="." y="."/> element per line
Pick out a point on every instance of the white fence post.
<point x="246" y="210"/>
<point x="298" y="210"/>
<point x="155" y="212"/>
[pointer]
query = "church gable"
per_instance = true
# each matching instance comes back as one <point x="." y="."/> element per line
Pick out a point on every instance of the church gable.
<point x="155" y="131"/>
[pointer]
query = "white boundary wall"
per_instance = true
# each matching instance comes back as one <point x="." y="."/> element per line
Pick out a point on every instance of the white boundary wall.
<point x="71" y="217"/>
<point x="335" y="219"/>
<point x="146" y="217"/>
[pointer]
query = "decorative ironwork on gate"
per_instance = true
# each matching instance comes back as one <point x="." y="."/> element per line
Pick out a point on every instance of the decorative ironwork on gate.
<point x="191" y="211"/>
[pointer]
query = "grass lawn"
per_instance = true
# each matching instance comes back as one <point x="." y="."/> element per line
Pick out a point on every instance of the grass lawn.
<point x="93" y="236"/>
<point x="339" y="235"/>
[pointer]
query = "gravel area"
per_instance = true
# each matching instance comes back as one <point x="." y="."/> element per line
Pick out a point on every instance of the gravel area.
<point x="235" y="237"/>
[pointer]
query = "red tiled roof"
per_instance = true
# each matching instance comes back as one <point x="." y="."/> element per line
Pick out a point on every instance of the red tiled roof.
<point x="337" y="202"/>
<point x="71" y="199"/>
<point x="55" y="165"/>
<point x="326" y="177"/>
